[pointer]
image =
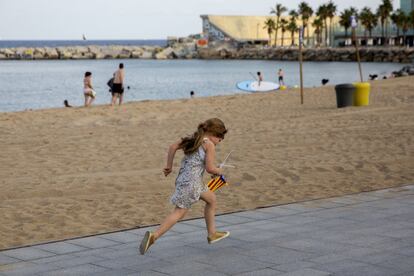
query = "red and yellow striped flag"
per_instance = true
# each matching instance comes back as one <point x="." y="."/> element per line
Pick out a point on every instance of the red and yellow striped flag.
<point x="216" y="183"/>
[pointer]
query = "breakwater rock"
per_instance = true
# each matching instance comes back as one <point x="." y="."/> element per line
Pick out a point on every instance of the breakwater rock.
<point x="189" y="50"/>
<point x="405" y="71"/>
<point x="369" y="54"/>
<point x="182" y="51"/>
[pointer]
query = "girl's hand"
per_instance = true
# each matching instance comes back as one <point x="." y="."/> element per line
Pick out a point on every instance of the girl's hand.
<point x="167" y="171"/>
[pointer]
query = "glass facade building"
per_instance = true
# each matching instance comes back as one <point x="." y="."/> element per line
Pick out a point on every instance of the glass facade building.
<point x="407" y="6"/>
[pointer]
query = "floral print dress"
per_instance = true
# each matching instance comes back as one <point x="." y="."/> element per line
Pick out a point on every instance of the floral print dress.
<point x="189" y="183"/>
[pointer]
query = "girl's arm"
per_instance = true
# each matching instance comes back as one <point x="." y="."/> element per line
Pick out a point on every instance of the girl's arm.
<point x="170" y="157"/>
<point x="211" y="167"/>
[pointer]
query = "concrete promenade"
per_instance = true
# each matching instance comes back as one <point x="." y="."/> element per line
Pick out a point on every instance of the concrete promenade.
<point x="364" y="234"/>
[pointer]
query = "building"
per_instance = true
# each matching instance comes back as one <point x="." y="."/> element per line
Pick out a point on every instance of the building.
<point x="407" y="6"/>
<point x="251" y="30"/>
<point x="247" y="30"/>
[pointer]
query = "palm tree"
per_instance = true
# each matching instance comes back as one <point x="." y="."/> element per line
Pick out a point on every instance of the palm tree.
<point x="383" y="12"/>
<point x="330" y="12"/>
<point x="405" y="25"/>
<point x="397" y="18"/>
<point x="411" y="19"/>
<point x="278" y="11"/>
<point x="345" y="18"/>
<point x="270" y="26"/>
<point x="283" y="27"/>
<point x="305" y="12"/>
<point x="318" y="25"/>
<point x="402" y="21"/>
<point x="369" y="20"/>
<point x="322" y="13"/>
<point x="292" y="26"/>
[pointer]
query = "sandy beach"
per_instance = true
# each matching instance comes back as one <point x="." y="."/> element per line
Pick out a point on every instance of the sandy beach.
<point x="74" y="172"/>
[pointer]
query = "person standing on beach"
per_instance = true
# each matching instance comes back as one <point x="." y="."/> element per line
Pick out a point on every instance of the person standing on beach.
<point x="199" y="150"/>
<point x="281" y="75"/>
<point x="88" y="91"/>
<point x="118" y="85"/>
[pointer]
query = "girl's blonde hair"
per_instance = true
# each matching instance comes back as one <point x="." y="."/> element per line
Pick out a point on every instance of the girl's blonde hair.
<point x="212" y="126"/>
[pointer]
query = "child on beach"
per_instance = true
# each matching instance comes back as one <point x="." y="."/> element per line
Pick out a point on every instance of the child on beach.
<point x="199" y="150"/>
<point x="281" y="75"/>
<point x="88" y="91"/>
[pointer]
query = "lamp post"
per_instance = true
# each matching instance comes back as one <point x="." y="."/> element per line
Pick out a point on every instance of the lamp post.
<point x="300" y="63"/>
<point x="354" y="25"/>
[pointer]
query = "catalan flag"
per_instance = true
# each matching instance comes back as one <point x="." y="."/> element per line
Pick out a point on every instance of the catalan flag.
<point x="216" y="183"/>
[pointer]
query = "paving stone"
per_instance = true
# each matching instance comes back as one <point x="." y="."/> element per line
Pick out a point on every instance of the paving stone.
<point x="67" y="263"/>
<point x="93" y="242"/>
<point x="262" y="272"/>
<point x="399" y="264"/>
<point x="124" y="262"/>
<point x="121" y="237"/>
<point x="307" y="272"/>
<point x="201" y="223"/>
<point x="60" y="247"/>
<point x="147" y="273"/>
<point x="342" y="265"/>
<point x="406" y="251"/>
<point x="366" y="270"/>
<point x="303" y="207"/>
<point x="4" y="259"/>
<point x="232" y="219"/>
<point x="26" y="268"/>
<point x="94" y="252"/>
<point x="115" y="272"/>
<point x="150" y="266"/>
<point x="298" y="219"/>
<point x="257" y="215"/>
<point x="278" y="255"/>
<point x="289" y="267"/>
<point x="280" y="211"/>
<point x="86" y="269"/>
<point x="185" y="228"/>
<point x="315" y="246"/>
<point x="27" y="253"/>
<point x="184" y="268"/>
<point x="235" y="264"/>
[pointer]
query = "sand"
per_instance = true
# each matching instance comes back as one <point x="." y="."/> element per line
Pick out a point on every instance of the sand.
<point x="80" y="171"/>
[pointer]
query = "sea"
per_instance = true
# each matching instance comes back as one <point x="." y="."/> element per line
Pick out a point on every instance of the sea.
<point x="42" y="84"/>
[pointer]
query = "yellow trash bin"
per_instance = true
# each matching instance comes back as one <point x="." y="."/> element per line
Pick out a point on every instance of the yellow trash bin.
<point x="361" y="95"/>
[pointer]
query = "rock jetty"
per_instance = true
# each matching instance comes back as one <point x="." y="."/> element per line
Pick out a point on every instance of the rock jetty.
<point x="189" y="50"/>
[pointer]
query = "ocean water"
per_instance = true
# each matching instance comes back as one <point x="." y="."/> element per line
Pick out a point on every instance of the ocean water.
<point x="40" y="84"/>
<point x="61" y="43"/>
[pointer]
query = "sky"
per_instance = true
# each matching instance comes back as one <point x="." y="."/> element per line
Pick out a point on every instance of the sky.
<point x="130" y="19"/>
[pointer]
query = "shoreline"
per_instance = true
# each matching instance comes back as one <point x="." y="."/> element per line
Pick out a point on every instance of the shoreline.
<point x="83" y="171"/>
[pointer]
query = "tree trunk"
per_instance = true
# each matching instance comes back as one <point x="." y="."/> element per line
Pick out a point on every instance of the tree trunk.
<point x="277" y="29"/>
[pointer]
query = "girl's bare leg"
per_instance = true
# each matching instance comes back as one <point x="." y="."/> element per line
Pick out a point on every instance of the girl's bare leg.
<point x="209" y="211"/>
<point x="169" y="221"/>
<point x="121" y="96"/>
<point x="86" y="100"/>
<point x="114" y="95"/>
